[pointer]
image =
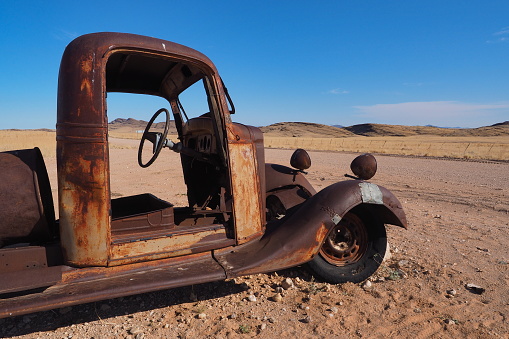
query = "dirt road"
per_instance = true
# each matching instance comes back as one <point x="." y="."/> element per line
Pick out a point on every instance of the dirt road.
<point x="458" y="216"/>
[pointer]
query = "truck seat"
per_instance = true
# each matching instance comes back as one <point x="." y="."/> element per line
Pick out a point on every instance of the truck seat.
<point x="26" y="204"/>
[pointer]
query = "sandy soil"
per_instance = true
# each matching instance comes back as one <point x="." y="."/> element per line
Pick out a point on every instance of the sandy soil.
<point x="458" y="216"/>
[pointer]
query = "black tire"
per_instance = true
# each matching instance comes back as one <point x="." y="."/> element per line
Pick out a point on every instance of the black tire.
<point x="352" y="251"/>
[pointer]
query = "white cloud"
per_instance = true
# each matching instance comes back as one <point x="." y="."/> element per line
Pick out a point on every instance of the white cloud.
<point x="64" y="35"/>
<point x="501" y="36"/>
<point x="443" y="113"/>
<point x="503" y="31"/>
<point x="338" y="91"/>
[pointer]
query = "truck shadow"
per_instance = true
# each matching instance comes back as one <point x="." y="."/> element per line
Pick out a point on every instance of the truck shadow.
<point x="103" y="311"/>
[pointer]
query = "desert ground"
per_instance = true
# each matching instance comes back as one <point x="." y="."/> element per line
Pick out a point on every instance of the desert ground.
<point x="458" y="213"/>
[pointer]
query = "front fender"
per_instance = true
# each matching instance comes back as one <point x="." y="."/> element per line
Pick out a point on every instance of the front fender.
<point x="296" y="238"/>
<point x="341" y="197"/>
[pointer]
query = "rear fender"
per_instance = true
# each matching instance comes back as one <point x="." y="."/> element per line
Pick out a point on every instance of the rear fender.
<point x="279" y="176"/>
<point x="296" y="238"/>
<point x="286" y="188"/>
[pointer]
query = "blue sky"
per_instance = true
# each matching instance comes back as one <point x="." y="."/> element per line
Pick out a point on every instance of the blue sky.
<point x="443" y="63"/>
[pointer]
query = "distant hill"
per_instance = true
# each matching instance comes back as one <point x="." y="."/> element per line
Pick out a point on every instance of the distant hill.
<point x="399" y="130"/>
<point x="132" y="125"/>
<point x="305" y="129"/>
<point x="312" y="130"/>
<point x="505" y="123"/>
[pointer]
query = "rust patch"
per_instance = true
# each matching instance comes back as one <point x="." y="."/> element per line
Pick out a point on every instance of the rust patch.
<point x="170" y="245"/>
<point x="246" y="191"/>
<point x="321" y="233"/>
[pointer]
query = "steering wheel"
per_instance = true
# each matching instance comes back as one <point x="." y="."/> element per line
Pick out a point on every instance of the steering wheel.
<point x="157" y="139"/>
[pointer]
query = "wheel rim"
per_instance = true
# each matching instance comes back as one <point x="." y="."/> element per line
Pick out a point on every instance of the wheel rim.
<point x="346" y="243"/>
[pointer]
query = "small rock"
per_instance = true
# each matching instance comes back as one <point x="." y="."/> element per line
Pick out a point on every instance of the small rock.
<point x="287" y="283"/>
<point x="451" y="292"/>
<point x="334" y="309"/>
<point x="402" y="263"/>
<point x="367" y="285"/>
<point x="277" y="297"/>
<point x="233" y="316"/>
<point x="450" y="321"/>
<point x="135" y="331"/>
<point x="279" y="289"/>
<point x="263" y="326"/>
<point x="202" y="316"/>
<point x="307" y="319"/>
<point x="252" y="297"/>
<point x="475" y="289"/>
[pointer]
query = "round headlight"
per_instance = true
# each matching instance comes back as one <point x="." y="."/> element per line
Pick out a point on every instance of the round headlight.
<point x="300" y="159"/>
<point x="364" y="166"/>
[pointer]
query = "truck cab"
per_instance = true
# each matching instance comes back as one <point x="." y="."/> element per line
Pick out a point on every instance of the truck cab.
<point x="222" y="157"/>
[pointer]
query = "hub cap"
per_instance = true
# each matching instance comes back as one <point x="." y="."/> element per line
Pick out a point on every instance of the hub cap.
<point x="346" y="243"/>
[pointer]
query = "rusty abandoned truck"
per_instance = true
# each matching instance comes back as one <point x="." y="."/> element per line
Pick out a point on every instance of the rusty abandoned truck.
<point x="243" y="216"/>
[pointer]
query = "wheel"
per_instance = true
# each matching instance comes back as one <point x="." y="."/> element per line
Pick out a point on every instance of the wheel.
<point x="352" y="251"/>
<point x="157" y="139"/>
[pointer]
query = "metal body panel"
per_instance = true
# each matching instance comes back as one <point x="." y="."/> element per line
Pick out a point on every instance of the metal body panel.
<point x="26" y="268"/>
<point x="297" y="237"/>
<point x="92" y="284"/>
<point x="193" y="241"/>
<point x="247" y="177"/>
